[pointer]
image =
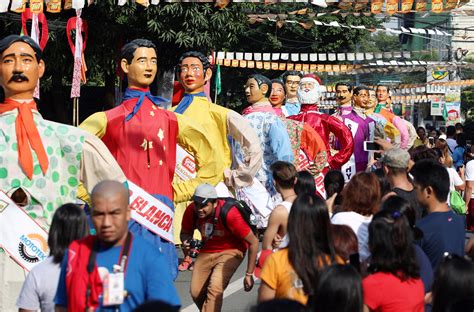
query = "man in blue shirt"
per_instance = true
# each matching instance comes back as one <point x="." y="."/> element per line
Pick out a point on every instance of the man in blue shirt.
<point x="443" y="230"/>
<point x="115" y="270"/>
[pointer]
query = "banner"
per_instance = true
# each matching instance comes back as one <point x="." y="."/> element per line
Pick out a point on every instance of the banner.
<point x="392" y="7"/>
<point x="24" y="240"/>
<point x="437" y="106"/>
<point x="150" y="212"/>
<point x="185" y="165"/>
<point x="452" y="106"/>
<point x="452" y="112"/>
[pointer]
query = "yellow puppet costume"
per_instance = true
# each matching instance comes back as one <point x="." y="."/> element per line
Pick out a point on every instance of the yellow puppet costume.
<point x="220" y="123"/>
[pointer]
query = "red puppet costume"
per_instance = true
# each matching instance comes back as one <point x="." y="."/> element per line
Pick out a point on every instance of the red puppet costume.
<point x="309" y="95"/>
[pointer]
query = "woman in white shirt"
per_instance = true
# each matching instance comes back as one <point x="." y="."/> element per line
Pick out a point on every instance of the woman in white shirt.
<point x="69" y="224"/>
<point x="456" y="181"/>
<point x="360" y="201"/>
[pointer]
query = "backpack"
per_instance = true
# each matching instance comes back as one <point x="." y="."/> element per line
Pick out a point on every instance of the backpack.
<point x="243" y="209"/>
<point x="457" y="203"/>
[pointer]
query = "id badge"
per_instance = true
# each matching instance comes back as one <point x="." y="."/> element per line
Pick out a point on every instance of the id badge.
<point x="208" y="229"/>
<point x="114" y="289"/>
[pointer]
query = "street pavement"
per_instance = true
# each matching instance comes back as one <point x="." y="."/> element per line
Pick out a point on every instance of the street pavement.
<point x="235" y="298"/>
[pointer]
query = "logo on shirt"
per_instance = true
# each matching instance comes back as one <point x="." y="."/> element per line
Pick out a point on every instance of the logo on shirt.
<point x="33" y="248"/>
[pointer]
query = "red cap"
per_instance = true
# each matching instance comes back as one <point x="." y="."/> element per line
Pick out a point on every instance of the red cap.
<point x="314" y="77"/>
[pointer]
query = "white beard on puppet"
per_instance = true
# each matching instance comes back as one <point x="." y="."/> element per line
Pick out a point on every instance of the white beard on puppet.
<point x="307" y="96"/>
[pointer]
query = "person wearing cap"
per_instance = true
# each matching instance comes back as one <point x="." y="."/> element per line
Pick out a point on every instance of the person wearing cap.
<point x="309" y="96"/>
<point x="396" y="164"/>
<point x="223" y="250"/>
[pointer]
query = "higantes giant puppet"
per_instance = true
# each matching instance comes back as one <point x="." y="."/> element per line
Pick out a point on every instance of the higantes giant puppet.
<point x="42" y="162"/>
<point x="309" y="96"/>
<point x="142" y="137"/>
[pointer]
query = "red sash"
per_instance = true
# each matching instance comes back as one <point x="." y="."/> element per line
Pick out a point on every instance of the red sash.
<point x="78" y="279"/>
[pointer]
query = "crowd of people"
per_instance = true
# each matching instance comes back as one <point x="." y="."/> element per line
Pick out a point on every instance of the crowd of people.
<point x="356" y="211"/>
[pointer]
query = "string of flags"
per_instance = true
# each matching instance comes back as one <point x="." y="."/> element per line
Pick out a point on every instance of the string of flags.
<point x="309" y="25"/>
<point x="397" y="61"/>
<point x="315" y="57"/>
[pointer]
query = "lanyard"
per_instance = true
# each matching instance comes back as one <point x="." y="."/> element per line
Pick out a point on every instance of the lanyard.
<point x="123" y="261"/>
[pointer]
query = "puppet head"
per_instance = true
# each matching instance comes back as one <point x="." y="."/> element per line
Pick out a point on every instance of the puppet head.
<point x="257" y="88"/>
<point x="383" y="92"/>
<point x="360" y="97"/>
<point x="139" y="63"/>
<point x="193" y="71"/>
<point x="277" y="96"/>
<point x="343" y="94"/>
<point x="20" y="66"/>
<point x="292" y="79"/>
<point x="309" y="90"/>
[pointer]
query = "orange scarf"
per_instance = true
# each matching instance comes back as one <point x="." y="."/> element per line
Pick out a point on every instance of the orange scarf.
<point x="27" y="135"/>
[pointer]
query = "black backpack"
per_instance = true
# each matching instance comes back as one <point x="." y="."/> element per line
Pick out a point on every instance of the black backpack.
<point x="244" y="210"/>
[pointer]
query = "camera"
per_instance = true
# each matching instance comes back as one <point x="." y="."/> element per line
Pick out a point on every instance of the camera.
<point x="195" y="246"/>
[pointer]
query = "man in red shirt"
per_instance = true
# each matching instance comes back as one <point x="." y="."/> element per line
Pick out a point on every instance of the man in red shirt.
<point x="224" y="247"/>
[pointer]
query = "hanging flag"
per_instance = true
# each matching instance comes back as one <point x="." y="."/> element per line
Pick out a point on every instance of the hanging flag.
<point x="445" y="112"/>
<point x="376" y="6"/>
<point x="392" y="7"/>
<point x="67" y="4"/>
<point x="36" y="6"/>
<point x="4" y="6"/>
<point x="345" y="5"/>
<point x="437" y="6"/>
<point x="77" y="4"/>
<point x="420" y="5"/>
<point x="407" y="5"/>
<point x="77" y="49"/>
<point x="360" y="5"/>
<point x="18" y="6"/>
<point x="145" y="3"/>
<point x="53" y="6"/>
<point x="450" y="4"/>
